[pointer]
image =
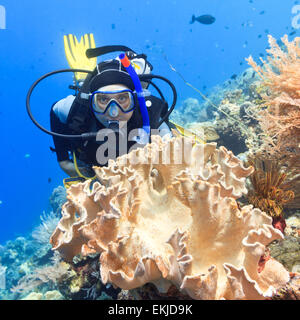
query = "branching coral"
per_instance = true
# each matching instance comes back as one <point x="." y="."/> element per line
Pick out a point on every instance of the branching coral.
<point x="167" y="214"/>
<point x="281" y="119"/>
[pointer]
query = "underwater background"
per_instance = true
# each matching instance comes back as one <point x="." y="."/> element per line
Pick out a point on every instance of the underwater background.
<point x="31" y="44"/>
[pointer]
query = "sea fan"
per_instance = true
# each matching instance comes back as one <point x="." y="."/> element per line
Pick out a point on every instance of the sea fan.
<point x="41" y="234"/>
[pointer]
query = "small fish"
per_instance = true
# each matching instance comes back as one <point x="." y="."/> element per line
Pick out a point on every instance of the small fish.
<point x="226" y="27"/>
<point x="267" y="31"/>
<point x="241" y="63"/>
<point x="27" y="155"/>
<point x="1" y="202"/>
<point x="233" y="77"/>
<point x="49" y="180"/>
<point x="204" y="19"/>
<point x="259" y="36"/>
<point x="113" y="26"/>
<point x="181" y="131"/>
<point x="292" y="33"/>
<point x="261" y="55"/>
<point x="262" y="12"/>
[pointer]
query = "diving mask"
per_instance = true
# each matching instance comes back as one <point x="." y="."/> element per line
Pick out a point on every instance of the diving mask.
<point x="112" y="101"/>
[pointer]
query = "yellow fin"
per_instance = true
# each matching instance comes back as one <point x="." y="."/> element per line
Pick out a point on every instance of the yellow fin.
<point x="75" y="53"/>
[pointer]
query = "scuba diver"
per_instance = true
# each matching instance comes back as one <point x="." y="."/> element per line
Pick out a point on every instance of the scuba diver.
<point x="113" y="103"/>
<point x="110" y="97"/>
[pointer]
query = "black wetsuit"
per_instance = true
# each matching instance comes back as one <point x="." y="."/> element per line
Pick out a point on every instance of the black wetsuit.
<point x="86" y="150"/>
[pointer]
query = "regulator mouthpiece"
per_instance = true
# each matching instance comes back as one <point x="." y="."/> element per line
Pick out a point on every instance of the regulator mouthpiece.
<point x="113" y="125"/>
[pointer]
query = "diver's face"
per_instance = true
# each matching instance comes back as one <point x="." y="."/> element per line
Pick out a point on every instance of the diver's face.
<point x="113" y="112"/>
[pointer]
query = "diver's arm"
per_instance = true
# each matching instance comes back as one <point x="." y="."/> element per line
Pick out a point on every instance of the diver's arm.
<point x="62" y="146"/>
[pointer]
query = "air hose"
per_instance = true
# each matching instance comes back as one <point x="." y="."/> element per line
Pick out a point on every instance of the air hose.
<point x="83" y="136"/>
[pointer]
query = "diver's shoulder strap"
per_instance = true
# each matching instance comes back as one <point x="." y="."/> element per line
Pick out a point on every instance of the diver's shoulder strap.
<point x="157" y="108"/>
<point x="80" y="115"/>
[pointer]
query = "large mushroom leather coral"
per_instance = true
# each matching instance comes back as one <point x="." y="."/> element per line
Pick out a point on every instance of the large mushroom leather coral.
<point x="167" y="214"/>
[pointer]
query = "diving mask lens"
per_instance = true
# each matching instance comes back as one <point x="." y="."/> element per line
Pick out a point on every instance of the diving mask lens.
<point x="104" y="100"/>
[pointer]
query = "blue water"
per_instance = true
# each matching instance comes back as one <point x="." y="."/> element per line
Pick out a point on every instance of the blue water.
<point x="32" y="44"/>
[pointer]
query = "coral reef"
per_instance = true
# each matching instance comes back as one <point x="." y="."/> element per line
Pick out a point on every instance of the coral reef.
<point x="279" y="116"/>
<point x="49" y="295"/>
<point x="42" y="232"/>
<point x="85" y="282"/>
<point x="281" y="119"/>
<point x="57" y="199"/>
<point x="33" y="271"/>
<point x="293" y="225"/>
<point x="167" y="215"/>
<point x="33" y="296"/>
<point x="291" y="291"/>
<point x="150" y="292"/>
<point x="53" y="273"/>
<point x="190" y="110"/>
<point x="287" y="251"/>
<point x="235" y="126"/>
<point x="228" y="113"/>
<point x="267" y="191"/>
